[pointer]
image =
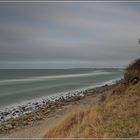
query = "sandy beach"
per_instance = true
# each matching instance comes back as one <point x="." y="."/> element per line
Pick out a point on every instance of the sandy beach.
<point x="35" y="123"/>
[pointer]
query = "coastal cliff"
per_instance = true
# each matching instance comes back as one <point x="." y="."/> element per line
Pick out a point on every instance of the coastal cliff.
<point x="115" y="116"/>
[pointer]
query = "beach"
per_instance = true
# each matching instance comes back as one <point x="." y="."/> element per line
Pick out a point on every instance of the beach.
<point x="35" y="98"/>
<point x="35" y="123"/>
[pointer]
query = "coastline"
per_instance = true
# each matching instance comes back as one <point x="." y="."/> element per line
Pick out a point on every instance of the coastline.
<point x="19" y="109"/>
<point x="42" y="111"/>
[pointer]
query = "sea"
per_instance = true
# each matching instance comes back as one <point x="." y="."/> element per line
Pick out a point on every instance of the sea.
<point x="24" y="85"/>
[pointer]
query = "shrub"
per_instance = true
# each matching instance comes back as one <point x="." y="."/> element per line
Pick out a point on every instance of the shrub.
<point x="132" y="72"/>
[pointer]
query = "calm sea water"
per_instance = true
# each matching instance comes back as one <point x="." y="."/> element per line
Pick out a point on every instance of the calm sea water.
<point x="25" y="84"/>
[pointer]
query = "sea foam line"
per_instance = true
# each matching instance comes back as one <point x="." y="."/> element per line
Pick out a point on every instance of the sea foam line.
<point x="42" y="78"/>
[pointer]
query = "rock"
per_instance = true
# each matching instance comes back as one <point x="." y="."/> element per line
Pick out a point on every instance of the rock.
<point x="23" y="108"/>
<point x="36" y="103"/>
<point x="78" y="98"/>
<point x="17" y="111"/>
<point x="46" y="112"/>
<point x="5" y="113"/>
<point x="2" y="128"/>
<point x="8" y="126"/>
<point x="43" y="110"/>
<point x="135" y="80"/>
<point x="38" y="118"/>
<point x="25" y="123"/>
<point x="37" y="106"/>
<point x="34" y="118"/>
<point x="30" y="123"/>
<point x="1" y="117"/>
<point x="89" y="93"/>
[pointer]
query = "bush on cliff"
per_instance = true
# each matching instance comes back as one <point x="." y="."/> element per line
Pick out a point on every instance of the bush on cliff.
<point x="132" y="72"/>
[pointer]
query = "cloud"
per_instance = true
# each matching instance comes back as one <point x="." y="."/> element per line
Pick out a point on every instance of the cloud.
<point x="93" y="34"/>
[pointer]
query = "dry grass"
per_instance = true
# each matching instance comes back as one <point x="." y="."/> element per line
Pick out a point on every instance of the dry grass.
<point x="117" y="116"/>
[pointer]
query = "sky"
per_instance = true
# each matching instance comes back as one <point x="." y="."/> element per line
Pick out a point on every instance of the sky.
<point x="69" y="35"/>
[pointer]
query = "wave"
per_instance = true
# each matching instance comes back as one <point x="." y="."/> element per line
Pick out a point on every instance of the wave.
<point x="43" y="78"/>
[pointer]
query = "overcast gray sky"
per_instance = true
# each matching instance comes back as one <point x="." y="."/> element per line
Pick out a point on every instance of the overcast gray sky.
<point x="66" y="35"/>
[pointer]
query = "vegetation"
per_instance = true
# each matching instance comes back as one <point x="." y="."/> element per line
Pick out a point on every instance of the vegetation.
<point x="116" y="116"/>
<point x="132" y="73"/>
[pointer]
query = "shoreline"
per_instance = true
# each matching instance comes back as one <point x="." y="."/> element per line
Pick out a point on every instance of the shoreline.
<point x="21" y="108"/>
<point x="41" y="111"/>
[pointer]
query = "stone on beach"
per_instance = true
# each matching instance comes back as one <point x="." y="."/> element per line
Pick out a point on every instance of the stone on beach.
<point x="8" y="126"/>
